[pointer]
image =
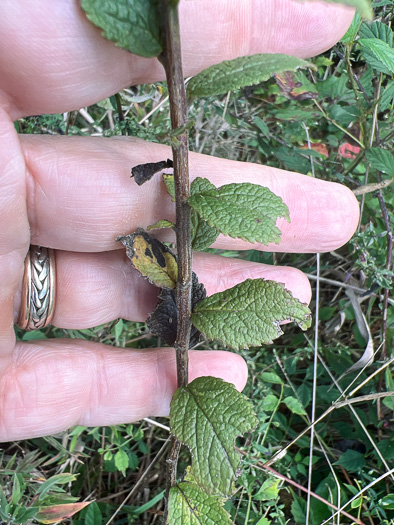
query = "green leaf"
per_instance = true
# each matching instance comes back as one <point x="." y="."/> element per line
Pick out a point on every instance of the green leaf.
<point x="351" y="460"/>
<point x="121" y="461"/>
<point x="271" y="377"/>
<point x="351" y="33"/>
<point x="249" y="313"/>
<point x="378" y="54"/>
<point x="153" y="259"/>
<point x="168" y="180"/>
<point x="268" y="490"/>
<point x="93" y="514"/>
<point x="387" y="97"/>
<point x="244" y="210"/>
<point x="133" y="25"/>
<point x="159" y="225"/>
<point x="203" y="235"/>
<point x="381" y="160"/>
<point x="270" y="403"/>
<point x="363" y="6"/>
<point x="241" y="72"/>
<point x="294" y="405"/>
<point x="53" y="483"/>
<point x="188" y="504"/>
<point x="387" y="502"/>
<point x="207" y="415"/>
<point x="377" y="30"/>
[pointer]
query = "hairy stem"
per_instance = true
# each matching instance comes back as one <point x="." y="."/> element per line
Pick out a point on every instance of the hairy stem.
<point x="172" y="62"/>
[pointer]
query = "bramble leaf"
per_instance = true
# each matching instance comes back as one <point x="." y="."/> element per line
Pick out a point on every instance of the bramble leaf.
<point x="241" y="72"/>
<point x="153" y="259"/>
<point x="190" y="505"/>
<point x="202" y="234"/>
<point x="363" y="6"/>
<point x="378" y="54"/>
<point x="381" y="159"/>
<point x="133" y="25"/>
<point x="243" y="210"/>
<point x="207" y="415"/>
<point x="249" y="313"/>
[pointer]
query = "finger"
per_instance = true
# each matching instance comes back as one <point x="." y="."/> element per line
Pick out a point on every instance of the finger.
<point x="54" y="60"/>
<point x="14" y="226"/>
<point x="49" y="386"/>
<point x="93" y="289"/>
<point x="81" y="197"/>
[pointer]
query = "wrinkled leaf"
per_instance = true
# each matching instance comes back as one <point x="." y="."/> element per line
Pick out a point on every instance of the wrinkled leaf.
<point x="133" y="25"/>
<point x="153" y="259"/>
<point x="249" y="313"/>
<point x="381" y="159"/>
<point x="163" y="321"/>
<point x="144" y="172"/>
<point x="207" y="415"/>
<point x="244" y="210"/>
<point x="241" y="72"/>
<point x="188" y="504"/>
<point x="202" y="234"/>
<point x="56" y="513"/>
<point x="378" y="54"/>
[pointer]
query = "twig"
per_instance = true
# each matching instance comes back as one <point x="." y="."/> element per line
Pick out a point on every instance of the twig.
<point x="172" y="62"/>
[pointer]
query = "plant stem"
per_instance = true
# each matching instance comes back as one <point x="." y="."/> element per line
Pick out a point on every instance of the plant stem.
<point x="172" y="62"/>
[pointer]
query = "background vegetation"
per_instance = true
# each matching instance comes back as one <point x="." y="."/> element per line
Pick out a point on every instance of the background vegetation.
<point x="335" y="124"/>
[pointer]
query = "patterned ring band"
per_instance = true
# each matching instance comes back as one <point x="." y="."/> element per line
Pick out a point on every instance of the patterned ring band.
<point x="38" y="289"/>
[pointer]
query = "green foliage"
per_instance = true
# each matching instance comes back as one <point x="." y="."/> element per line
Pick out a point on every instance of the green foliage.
<point x="133" y="25"/>
<point x="189" y="505"/>
<point x="378" y="54"/>
<point x="249" y="313"/>
<point x="206" y="416"/>
<point x="381" y="159"/>
<point x="243" y="210"/>
<point x="240" y="72"/>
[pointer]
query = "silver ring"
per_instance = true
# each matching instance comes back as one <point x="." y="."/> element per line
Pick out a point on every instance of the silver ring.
<point x="38" y="289"/>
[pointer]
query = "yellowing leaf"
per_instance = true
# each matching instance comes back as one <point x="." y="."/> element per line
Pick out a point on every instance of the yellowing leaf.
<point x="153" y="259"/>
<point x="56" y="513"/>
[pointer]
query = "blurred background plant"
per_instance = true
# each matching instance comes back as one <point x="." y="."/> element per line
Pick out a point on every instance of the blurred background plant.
<point x="336" y="124"/>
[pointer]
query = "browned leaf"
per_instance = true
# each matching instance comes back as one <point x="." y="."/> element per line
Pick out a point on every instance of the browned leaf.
<point x="55" y="513"/>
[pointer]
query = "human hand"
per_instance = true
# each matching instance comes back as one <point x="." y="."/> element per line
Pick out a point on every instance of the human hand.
<point x="74" y="194"/>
